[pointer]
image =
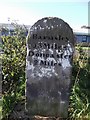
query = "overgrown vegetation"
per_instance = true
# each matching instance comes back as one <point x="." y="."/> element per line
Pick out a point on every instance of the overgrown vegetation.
<point x="13" y="69"/>
<point x="80" y="95"/>
<point x="13" y="77"/>
<point x="0" y="109"/>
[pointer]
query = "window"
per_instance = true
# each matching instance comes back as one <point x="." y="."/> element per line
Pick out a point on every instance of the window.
<point x="88" y="38"/>
<point x="84" y="38"/>
<point x="79" y="38"/>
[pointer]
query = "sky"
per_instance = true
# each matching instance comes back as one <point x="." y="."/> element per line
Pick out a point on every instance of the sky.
<point x="27" y="12"/>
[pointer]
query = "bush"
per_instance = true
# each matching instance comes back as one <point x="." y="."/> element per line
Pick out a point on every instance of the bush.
<point x="13" y="69"/>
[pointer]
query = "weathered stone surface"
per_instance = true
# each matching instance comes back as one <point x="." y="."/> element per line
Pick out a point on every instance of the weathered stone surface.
<point x="50" y="47"/>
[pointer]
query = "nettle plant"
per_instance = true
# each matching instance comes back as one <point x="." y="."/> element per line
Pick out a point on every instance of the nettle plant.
<point x="13" y="68"/>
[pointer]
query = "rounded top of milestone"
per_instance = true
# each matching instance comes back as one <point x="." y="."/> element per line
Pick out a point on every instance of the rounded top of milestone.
<point x="51" y="28"/>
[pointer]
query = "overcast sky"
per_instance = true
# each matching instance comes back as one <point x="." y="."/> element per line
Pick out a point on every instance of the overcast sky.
<point x="29" y="11"/>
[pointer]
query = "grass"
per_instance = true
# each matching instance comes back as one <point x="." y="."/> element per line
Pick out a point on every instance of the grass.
<point x="80" y="98"/>
<point x="0" y="109"/>
<point x="84" y="48"/>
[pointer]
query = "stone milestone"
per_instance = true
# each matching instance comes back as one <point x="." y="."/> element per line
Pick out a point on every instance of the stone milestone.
<point x="50" y="47"/>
